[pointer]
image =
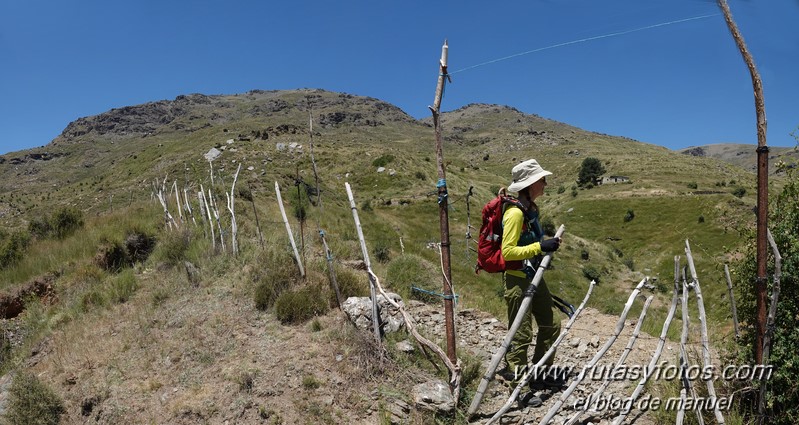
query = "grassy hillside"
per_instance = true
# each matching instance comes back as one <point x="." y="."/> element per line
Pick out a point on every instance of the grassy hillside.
<point x="110" y="166"/>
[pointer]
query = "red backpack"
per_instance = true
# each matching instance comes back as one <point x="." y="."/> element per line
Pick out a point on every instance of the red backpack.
<point x="489" y="245"/>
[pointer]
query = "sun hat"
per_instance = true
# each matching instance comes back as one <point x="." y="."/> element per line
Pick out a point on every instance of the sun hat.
<point x="526" y="173"/>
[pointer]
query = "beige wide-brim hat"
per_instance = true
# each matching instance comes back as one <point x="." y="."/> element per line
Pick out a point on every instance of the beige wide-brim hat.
<point x="526" y="173"/>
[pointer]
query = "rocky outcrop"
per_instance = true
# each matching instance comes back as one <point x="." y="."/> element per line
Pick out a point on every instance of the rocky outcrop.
<point x="359" y="310"/>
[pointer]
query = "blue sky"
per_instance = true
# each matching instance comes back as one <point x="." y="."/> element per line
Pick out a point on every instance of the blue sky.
<point x="675" y="85"/>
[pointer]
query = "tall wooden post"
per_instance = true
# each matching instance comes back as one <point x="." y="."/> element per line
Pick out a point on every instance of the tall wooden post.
<point x="443" y="205"/>
<point x="762" y="183"/>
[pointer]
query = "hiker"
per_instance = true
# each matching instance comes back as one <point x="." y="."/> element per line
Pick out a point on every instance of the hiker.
<point x="522" y="239"/>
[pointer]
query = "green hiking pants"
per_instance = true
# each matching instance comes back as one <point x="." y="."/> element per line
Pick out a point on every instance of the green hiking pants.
<point x="541" y="308"/>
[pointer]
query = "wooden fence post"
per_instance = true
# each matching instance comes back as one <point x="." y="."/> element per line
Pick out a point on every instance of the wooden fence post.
<point x="288" y="230"/>
<point x="365" y="253"/>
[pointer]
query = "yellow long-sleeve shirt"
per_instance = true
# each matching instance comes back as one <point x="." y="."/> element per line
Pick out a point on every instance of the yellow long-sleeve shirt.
<point x="512" y="224"/>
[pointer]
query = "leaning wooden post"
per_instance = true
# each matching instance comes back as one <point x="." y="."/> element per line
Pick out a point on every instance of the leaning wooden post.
<point x="255" y="211"/>
<point x="234" y="228"/>
<point x="762" y="183"/>
<point x="706" y="362"/>
<point x="772" y="315"/>
<point x="650" y="369"/>
<point x="288" y="229"/>
<point x="687" y="389"/>
<point x="330" y="268"/>
<point x="443" y="206"/>
<point x="732" y="302"/>
<point x="208" y="211"/>
<point x="517" y="322"/>
<point x="313" y="161"/>
<point x="365" y="252"/>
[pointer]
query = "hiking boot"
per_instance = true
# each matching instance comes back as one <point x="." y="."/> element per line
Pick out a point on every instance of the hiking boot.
<point x="506" y="374"/>
<point x="529" y="399"/>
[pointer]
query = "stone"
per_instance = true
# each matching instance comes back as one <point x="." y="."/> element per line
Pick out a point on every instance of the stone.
<point x="359" y="310"/>
<point x="405" y="346"/>
<point x="212" y="154"/>
<point x="398" y="411"/>
<point x="381" y="169"/>
<point x="434" y="397"/>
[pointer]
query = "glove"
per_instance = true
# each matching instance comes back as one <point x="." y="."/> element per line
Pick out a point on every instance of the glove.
<point x="550" y="245"/>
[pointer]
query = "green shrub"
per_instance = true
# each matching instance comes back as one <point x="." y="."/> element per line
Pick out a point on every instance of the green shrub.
<point x="629" y="263"/>
<point x="172" y="247"/>
<point x="299" y="212"/>
<point x="350" y="284"/>
<point x="366" y="206"/>
<point x="739" y="192"/>
<point x="782" y="395"/>
<point x="12" y="248"/>
<point x="244" y="192"/>
<point x="32" y="402"/>
<point x="629" y="216"/>
<point x="276" y="272"/>
<point x="561" y="189"/>
<point x="300" y="305"/>
<point x="692" y="185"/>
<point x="421" y="176"/>
<point x="591" y="273"/>
<point x="383" y="160"/>
<point x="584" y="255"/>
<point x="59" y="225"/>
<point x="65" y="221"/>
<point x="382" y="252"/>
<point x="123" y="286"/>
<point x="701" y="219"/>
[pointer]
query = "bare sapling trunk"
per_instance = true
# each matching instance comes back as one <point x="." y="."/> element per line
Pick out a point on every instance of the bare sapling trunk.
<point x="706" y="361"/>
<point x="772" y="316"/>
<point x="210" y="220"/>
<point x="288" y="230"/>
<point x="202" y="210"/>
<point x="234" y="229"/>
<point x="255" y="212"/>
<point x="177" y="200"/>
<point x="732" y="302"/>
<point x="762" y="182"/>
<point x="187" y="205"/>
<point x="372" y="277"/>
<point x="443" y="207"/>
<point x="215" y="210"/>
<point x="330" y="268"/>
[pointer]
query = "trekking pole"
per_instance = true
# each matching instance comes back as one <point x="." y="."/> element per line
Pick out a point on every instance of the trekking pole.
<point x="517" y="322"/>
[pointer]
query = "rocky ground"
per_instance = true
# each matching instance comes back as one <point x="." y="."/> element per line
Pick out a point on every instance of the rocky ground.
<point x="176" y="353"/>
<point x="482" y="334"/>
